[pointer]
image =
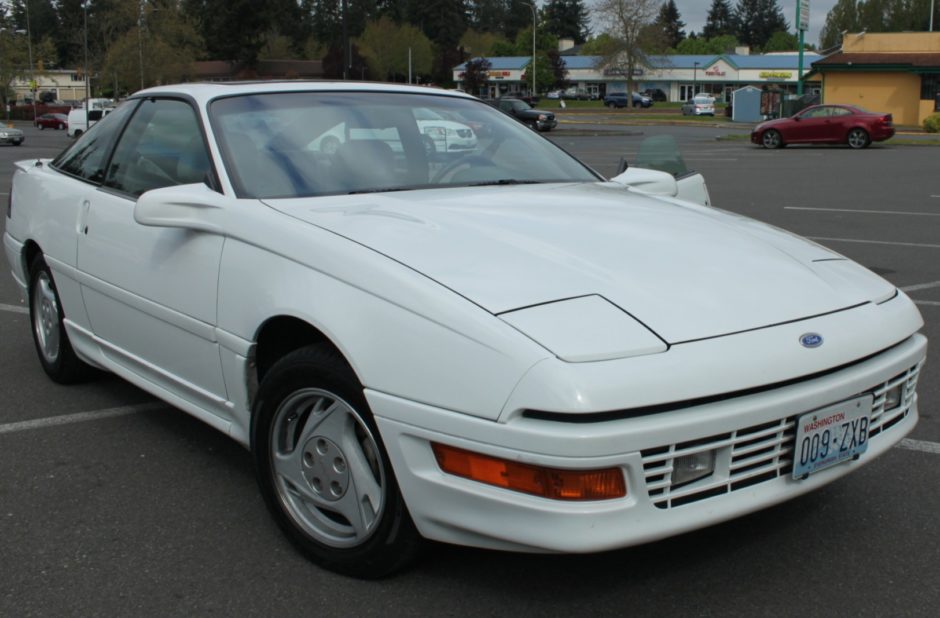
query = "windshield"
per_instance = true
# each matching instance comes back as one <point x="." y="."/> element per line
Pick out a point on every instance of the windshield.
<point x="283" y="145"/>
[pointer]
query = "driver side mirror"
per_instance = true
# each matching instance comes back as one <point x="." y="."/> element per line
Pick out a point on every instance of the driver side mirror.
<point x="192" y="207"/>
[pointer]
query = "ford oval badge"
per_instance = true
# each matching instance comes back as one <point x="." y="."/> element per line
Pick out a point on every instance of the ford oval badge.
<point x="811" y="340"/>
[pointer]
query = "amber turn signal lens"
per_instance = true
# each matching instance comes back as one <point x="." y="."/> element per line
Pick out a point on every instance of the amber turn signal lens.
<point x="604" y="484"/>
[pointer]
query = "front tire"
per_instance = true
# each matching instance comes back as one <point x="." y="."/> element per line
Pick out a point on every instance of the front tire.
<point x="858" y="138"/>
<point x="47" y="319"/>
<point x="323" y="470"/>
<point x="772" y="139"/>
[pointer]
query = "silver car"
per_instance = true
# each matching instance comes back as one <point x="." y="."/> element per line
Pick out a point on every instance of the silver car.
<point x="9" y="135"/>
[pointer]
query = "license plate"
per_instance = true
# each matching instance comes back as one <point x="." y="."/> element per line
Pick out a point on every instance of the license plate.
<point x="831" y="435"/>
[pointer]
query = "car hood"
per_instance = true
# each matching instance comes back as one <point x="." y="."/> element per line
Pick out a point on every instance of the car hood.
<point x="685" y="271"/>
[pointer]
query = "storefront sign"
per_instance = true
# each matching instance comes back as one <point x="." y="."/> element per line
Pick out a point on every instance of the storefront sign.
<point x="714" y="72"/>
<point x="497" y="74"/>
<point x="620" y="71"/>
<point x="776" y="74"/>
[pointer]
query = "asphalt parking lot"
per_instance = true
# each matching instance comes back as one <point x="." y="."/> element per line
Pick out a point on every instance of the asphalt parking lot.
<point x="114" y="504"/>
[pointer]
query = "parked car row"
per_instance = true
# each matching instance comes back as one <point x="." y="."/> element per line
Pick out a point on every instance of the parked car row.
<point x="622" y="99"/>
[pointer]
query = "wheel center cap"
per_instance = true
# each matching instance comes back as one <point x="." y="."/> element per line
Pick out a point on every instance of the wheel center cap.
<point x="324" y="467"/>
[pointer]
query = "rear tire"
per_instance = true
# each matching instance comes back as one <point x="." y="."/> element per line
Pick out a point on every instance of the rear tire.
<point x="323" y="470"/>
<point x="858" y="138"/>
<point x="47" y="319"/>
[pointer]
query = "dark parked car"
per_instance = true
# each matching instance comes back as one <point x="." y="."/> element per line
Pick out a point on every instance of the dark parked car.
<point x="619" y="99"/>
<point x="524" y="113"/>
<point x="52" y="121"/>
<point x="825" y="124"/>
<point x="656" y="95"/>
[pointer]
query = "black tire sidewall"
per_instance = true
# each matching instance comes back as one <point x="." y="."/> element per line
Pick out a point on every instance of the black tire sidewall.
<point x="67" y="368"/>
<point x="394" y="541"/>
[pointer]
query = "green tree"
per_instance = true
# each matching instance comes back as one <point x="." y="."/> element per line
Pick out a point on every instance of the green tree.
<point x="475" y="43"/>
<point x="160" y="49"/>
<point x="597" y="46"/>
<point x="566" y="19"/>
<point x="13" y="58"/>
<point x="232" y="29"/>
<point x="781" y="41"/>
<point x="668" y="27"/>
<point x="488" y="15"/>
<point x="627" y="22"/>
<point x="757" y="20"/>
<point x="843" y="17"/>
<point x="720" y="20"/>
<point x="701" y="46"/>
<point x="544" y="73"/>
<point x="385" y="44"/>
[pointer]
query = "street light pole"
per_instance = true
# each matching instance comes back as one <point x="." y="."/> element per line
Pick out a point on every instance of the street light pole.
<point x="532" y="6"/>
<point x="32" y="73"/>
<point x="140" y="40"/>
<point x="87" y="74"/>
<point x="694" y="78"/>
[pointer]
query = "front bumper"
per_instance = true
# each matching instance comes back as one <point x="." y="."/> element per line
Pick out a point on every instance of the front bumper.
<point x="546" y="125"/>
<point x="748" y="475"/>
<point x="12" y="139"/>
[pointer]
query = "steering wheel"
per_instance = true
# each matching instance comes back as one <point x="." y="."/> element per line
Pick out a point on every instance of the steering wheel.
<point x="450" y="168"/>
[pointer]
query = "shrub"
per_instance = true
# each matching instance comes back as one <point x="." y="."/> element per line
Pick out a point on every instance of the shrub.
<point x="932" y="123"/>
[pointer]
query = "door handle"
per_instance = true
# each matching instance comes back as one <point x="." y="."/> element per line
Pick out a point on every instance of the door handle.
<point x="82" y="227"/>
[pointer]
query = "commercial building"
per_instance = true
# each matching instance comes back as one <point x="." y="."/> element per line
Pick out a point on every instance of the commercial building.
<point x="678" y="76"/>
<point x="66" y="85"/>
<point x="897" y="73"/>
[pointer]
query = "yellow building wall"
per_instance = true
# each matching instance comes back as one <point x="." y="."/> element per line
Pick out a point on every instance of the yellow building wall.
<point x="888" y="42"/>
<point x="892" y="93"/>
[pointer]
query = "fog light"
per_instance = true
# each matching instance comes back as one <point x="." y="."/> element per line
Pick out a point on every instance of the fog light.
<point x="690" y="468"/>
<point x="893" y="397"/>
<point x="603" y="484"/>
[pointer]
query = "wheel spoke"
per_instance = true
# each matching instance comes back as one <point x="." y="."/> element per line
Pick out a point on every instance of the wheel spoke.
<point x="362" y="502"/>
<point x="288" y="468"/>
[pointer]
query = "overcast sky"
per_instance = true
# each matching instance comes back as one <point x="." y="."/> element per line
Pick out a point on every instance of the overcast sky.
<point x="694" y="13"/>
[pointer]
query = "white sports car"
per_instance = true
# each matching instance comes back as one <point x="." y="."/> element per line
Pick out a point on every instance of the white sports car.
<point x="502" y="350"/>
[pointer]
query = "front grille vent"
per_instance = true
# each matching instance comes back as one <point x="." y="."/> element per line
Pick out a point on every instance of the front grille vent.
<point x="755" y="454"/>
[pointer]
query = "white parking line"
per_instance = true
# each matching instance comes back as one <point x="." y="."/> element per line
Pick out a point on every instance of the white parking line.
<point x="867" y="212"/>
<point x="80" y="417"/>
<point x="13" y="308"/>
<point x="876" y="242"/>
<point x="921" y="286"/>
<point x="932" y="303"/>
<point x="920" y="445"/>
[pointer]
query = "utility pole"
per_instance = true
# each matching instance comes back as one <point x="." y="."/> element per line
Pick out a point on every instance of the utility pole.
<point x="534" y="18"/>
<point x="87" y="74"/>
<point x="346" y="51"/>
<point x="33" y="86"/>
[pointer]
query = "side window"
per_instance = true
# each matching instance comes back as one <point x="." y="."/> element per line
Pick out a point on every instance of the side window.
<point x="839" y="111"/>
<point x="162" y="146"/>
<point x="88" y="156"/>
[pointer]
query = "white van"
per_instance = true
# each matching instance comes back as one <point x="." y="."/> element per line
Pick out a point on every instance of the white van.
<point x="77" y="122"/>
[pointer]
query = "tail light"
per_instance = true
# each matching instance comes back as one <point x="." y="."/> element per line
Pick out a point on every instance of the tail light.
<point x="887" y="119"/>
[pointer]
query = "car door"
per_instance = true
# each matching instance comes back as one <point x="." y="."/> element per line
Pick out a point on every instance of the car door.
<point x="812" y="126"/>
<point x="151" y="292"/>
<point x="840" y="121"/>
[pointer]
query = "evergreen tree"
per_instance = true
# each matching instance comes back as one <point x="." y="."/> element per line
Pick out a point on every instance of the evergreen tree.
<point x="443" y="21"/>
<point x="566" y="19"/>
<point x="488" y="15"/>
<point x="668" y="26"/>
<point x="757" y="20"/>
<point x="843" y="17"/>
<point x="720" y="20"/>
<point x="518" y="16"/>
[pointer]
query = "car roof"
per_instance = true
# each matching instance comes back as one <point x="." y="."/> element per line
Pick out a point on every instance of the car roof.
<point x="205" y="92"/>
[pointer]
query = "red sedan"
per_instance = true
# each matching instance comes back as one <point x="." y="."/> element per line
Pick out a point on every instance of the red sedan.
<point x="825" y="124"/>
<point x="52" y="121"/>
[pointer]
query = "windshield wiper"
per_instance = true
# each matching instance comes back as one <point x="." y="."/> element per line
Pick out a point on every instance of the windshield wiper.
<point x="505" y="181"/>
<point x="390" y="189"/>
